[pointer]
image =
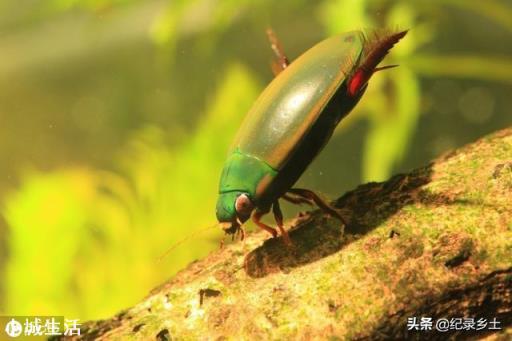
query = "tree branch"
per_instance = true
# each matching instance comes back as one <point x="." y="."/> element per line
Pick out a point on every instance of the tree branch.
<point x="436" y="242"/>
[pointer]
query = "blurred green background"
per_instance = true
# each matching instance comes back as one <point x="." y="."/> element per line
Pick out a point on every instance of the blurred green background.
<point x="115" y="118"/>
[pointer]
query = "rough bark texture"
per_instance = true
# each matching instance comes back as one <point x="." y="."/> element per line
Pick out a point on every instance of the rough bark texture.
<point x="436" y="242"/>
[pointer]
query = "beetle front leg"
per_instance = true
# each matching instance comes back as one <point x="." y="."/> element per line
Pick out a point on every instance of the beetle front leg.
<point x="278" y="216"/>
<point x="242" y="233"/>
<point x="256" y="217"/>
<point x="305" y="193"/>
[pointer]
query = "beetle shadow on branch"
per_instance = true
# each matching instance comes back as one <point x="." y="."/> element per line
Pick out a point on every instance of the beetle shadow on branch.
<point x="316" y="235"/>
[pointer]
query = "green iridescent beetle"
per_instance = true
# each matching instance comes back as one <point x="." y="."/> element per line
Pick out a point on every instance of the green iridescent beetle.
<point x="291" y="122"/>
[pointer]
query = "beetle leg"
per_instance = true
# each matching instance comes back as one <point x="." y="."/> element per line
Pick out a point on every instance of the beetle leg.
<point x="296" y="200"/>
<point x="281" y="61"/>
<point x="256" y="218"/>
<point x="239" y="232"/>
<point x="278" y="216"/>
<point x="305" y="193"/>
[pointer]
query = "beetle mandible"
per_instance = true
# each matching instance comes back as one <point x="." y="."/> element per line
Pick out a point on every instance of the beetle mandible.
<point x="290" y="123"/>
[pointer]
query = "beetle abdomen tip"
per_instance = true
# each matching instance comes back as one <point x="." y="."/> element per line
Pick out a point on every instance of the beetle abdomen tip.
<point x="375" y="49"/>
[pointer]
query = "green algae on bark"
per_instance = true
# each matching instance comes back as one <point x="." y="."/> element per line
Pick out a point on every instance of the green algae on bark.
<point x="436" y="242"/>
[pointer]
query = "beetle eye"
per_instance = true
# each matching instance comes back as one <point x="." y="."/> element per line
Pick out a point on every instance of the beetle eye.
<point x="243" y="206"/>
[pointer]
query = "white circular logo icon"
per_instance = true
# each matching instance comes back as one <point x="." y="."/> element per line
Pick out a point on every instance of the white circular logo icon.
<point x="13" y="328"/>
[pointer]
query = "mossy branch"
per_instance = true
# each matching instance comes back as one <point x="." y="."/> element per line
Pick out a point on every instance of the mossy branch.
<point x="436" y="242"/>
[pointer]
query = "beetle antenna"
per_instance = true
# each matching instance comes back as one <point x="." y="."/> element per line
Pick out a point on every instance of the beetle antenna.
<point x="178" y="243"/>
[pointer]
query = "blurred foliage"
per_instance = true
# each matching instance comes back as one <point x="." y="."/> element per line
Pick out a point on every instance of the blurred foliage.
<point x="87" y="234"/>
<point x="393" y="107"/>
<point x="90" y="232"/>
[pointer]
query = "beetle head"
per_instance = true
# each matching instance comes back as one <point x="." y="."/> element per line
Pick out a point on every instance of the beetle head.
<point x="233" y="209"/>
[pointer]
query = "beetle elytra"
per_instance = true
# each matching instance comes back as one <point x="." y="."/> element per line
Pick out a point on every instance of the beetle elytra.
<point x="290" y="123"/>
